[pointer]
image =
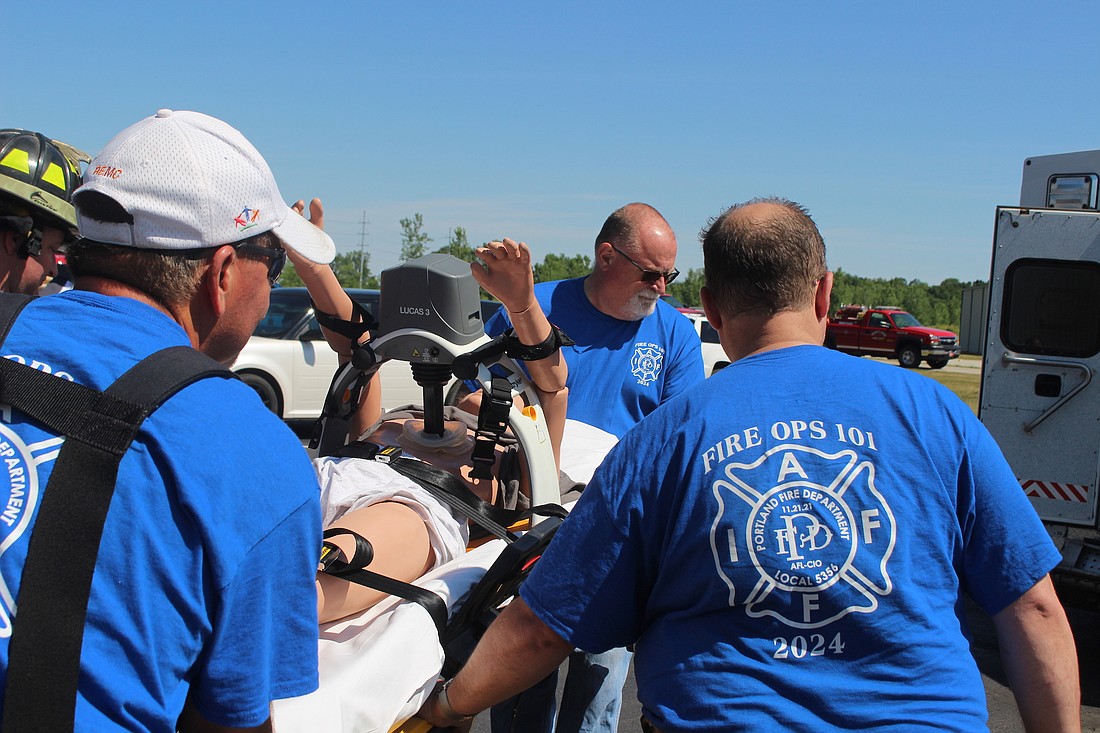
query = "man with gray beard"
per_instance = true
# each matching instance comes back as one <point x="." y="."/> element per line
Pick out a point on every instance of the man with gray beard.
<point x="631" y="353"/>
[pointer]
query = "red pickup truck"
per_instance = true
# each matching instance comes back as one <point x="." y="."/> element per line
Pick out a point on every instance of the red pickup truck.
<point x="885" y="331"/>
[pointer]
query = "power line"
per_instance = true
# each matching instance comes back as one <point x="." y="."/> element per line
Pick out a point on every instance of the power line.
<point x="362" y="246"/>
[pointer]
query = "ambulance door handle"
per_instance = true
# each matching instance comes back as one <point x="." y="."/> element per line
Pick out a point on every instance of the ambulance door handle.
<point x="1086" y="378"/>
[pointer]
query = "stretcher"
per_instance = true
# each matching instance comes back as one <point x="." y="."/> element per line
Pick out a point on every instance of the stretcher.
<point x="377" y="668"/>
<point x="362" y="689"/>
<point x="357" y="657"/>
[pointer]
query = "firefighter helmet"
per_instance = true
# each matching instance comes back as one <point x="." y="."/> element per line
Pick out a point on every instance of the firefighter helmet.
<point x="38" y="176"/>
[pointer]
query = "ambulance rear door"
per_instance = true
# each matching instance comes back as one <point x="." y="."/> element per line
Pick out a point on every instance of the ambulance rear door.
<point x="1039" y="395"/>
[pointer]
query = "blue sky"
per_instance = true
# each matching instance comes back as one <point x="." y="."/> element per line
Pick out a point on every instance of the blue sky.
<point x="901" y="126"/>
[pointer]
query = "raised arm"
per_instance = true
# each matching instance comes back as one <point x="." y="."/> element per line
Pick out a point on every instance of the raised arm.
<point x="1040" y="660"/>
<point x="327" y="293"/>
<point x="329" y="297"/>
<point x="504" y="269"/>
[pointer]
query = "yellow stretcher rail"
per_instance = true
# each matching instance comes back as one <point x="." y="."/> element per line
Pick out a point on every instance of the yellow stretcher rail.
<point x="413" y="725"/>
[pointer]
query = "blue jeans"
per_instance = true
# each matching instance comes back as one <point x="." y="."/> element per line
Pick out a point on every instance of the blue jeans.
<point x="590" y="703"/>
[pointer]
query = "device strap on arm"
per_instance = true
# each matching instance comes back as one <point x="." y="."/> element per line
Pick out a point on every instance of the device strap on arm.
<point x="353" y="330"/>
<point x="516" y="349"/>
<point x="48" y="629"/>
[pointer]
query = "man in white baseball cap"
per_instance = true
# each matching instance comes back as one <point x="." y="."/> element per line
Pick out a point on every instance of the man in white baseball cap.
<point x="182" y="186"/>
<point x="202" y="606"/>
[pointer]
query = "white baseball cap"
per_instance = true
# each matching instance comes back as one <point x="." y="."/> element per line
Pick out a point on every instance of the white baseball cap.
<point x="191" y="181"/>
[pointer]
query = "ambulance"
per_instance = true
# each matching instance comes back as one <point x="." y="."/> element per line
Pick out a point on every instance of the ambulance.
<point x="1040" y="396"/>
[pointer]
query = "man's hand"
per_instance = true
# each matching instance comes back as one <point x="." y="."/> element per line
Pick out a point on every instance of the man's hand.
<point x="317" y="219"/>
<point x="489" y="677"/>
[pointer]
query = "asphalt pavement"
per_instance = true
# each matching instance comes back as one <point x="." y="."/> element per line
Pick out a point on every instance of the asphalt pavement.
<point x="962" y="365"/>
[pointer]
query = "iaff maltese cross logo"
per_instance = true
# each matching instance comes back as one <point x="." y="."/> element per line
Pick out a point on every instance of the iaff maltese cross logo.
<point x="646" y="363"/>
<point x="809" y="530"/>
<point x="19" y="493"/>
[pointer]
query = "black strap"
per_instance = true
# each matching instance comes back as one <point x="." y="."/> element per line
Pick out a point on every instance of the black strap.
<point x="353" y="330"/>
<point x="48" y="628"/>
<point x="453" y="492"/>
<point x="499" y="583"/>
<point x="330" y="553"/>
<point x="492" y="421"/>
<point x="354" y="570"/>
<point x="516" y="349"/>
<point x="442" y="484"/>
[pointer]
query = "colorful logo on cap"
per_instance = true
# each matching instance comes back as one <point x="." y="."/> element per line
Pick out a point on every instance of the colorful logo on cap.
<point x="246" y="219"/>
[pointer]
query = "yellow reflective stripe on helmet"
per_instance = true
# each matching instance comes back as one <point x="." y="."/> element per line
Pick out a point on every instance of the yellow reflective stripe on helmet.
<point x="19" y="160"/>
<point x="54" y="174"/>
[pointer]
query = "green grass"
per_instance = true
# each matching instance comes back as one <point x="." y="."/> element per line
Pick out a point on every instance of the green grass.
<point x="963" y="385"/>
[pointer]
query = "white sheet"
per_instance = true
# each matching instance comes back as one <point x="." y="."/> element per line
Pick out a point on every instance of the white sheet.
<point x="378" y="668"/>
<point x="348" y="484"/>
<point x="583" y="448"/>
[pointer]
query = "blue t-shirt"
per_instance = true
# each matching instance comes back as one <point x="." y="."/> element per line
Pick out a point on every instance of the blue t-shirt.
<point x="204" y="582"/>
<point x="619" y="371"/>
<point x="788" y="544"/>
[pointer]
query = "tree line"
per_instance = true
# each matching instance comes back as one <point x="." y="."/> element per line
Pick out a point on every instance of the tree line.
<point x="939" y="306"/>
<point x="352" y="269"/>
<point x="933" y="305"/>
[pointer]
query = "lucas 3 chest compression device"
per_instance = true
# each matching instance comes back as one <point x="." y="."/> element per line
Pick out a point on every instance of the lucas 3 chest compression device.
<point x="430" y="317"/>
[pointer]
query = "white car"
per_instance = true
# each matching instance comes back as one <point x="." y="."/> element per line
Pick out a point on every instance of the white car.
<point x="290" y="365"/>
<point x="714" y="359"/>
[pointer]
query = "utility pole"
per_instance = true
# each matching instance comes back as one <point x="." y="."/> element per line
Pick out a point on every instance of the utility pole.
<point x="362" y="245"/>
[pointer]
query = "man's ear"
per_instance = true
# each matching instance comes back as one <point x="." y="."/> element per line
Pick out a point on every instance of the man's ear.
<point x="605" y="252"/>
<point x="822" y="296"/>
<point x="709" y="307"/>
<point x="217" y="280"/>
<point x="8" y="237"/>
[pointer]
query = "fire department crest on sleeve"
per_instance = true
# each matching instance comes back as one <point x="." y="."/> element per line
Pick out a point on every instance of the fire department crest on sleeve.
<point x="808" y="530"/>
